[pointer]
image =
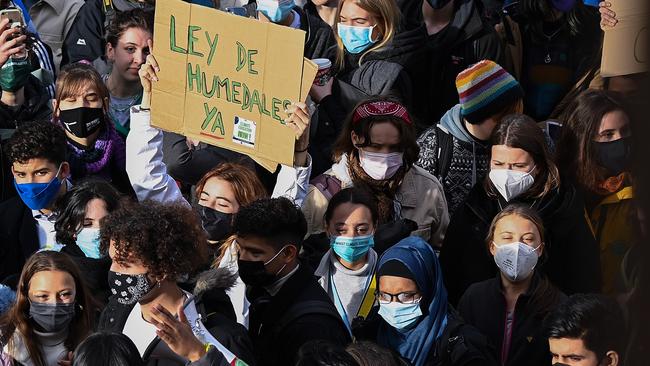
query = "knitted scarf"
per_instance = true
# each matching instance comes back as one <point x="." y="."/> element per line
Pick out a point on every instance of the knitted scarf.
<point x="108" y="146"/>
<point x="383" y="190"/>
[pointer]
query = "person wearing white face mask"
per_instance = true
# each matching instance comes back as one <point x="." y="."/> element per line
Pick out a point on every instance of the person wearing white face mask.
<point x="521" y="171"/>
<point x="509" y="308"/>
<point x="377" y="150"/>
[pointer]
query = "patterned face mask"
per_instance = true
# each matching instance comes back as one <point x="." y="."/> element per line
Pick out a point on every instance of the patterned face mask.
<point x="129" y="289"/>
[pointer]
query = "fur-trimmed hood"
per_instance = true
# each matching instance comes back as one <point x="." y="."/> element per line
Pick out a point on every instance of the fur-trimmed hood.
<point x="212" y="279"/>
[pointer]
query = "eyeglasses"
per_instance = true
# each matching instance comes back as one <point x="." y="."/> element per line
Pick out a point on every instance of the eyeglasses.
<point x="402" y="297"/>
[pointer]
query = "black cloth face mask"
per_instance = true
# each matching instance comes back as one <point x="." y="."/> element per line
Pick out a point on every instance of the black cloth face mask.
<point x="614" y="155"/>
<point x="52" y="318"/>
<point x="217" y="224"/>
<point x="82" y="121"/>
<point x="253" y="273"/>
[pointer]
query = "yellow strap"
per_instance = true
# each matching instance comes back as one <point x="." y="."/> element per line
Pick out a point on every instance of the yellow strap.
<point x="588" y="220"/>
<point x="368" y="299"/>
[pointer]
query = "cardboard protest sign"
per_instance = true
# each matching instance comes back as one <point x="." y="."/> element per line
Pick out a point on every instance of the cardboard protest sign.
<point x="625" y="46"/>
<point x="226" y="80"/>
<point x="309" y="71"/>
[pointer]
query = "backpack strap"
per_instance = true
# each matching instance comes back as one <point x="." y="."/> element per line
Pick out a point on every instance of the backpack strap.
<point x="459" y="345"/>
<point x="368" y="299"/>
<point x="304" y="308"/>
<point x="445" y="144"/>
<point x="109" y="13"/>
<point x="108" y="5"/>
<point x="327" y="184"/>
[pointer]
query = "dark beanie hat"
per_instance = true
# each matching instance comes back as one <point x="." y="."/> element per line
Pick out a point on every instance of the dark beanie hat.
<point x="485" y="89"/>
<point x="395" y="268"/>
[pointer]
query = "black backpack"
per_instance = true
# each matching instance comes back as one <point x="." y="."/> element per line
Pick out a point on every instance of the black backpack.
<point x="445" y="143"/>
<point x="462" y="345"/>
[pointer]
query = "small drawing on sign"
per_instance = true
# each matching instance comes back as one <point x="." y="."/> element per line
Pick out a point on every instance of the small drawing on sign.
<point x="244" y="132"/>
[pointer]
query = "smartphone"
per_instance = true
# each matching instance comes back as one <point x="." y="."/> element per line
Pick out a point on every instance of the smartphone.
<point x="238" y="10"/>
<point x="14" y="15"/>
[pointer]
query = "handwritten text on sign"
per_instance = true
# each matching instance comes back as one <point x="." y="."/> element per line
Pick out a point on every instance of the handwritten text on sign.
<point x="213" y="86"/>
<point x="227" y="80"/>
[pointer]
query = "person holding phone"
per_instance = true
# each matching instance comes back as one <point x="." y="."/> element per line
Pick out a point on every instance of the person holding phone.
<point x="24" y="97"/>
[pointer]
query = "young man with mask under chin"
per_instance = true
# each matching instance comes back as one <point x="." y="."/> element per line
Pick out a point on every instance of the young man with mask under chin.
<point x="37" y="156"/>
<point x="288" y="306"/>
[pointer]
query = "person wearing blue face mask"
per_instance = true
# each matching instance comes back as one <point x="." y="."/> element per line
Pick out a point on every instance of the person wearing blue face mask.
<point x="374" y="57"/>
<point x="37" y="154"/>
<point x="347" y="270"/>
<point x="415" y="319"/>
<point x="23" y="96"/>
<point x="77" y="229"/>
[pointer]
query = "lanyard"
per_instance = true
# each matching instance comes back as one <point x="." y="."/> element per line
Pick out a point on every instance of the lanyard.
<point x="370" y="285"/>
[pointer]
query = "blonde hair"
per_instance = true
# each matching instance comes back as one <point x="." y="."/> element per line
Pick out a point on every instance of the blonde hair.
<point x="387" y="14"/>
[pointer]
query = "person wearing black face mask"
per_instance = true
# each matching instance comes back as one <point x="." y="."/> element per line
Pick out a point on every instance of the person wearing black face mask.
<point x="594" y="151"/>
<point x="95" y="149"/>
<point x="287" y="303"/>
<point x="53" y="312"/>
<point x="147" y="304"/>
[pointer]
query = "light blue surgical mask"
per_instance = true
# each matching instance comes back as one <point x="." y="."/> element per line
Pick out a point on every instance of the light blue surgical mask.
<point x="88" y="242"/>
<point x="400" y="316"/>
<point x="275" y="10"/>
<point x="351" y="249"/>
<point x="355" y="39"/>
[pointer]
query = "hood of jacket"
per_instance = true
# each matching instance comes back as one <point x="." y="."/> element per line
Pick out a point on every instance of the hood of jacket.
<point x="466" y="24"/>
<point x="215" y="278"/>
<point x="454" y="123"/>
<point x="404" y="45"/>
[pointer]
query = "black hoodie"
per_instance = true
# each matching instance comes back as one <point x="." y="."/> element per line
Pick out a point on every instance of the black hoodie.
<point x="573" y="256"/>
<point x="466" y="40"/>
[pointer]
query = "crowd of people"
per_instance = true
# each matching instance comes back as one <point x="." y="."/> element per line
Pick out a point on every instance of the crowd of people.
<point x="463" y="193"/>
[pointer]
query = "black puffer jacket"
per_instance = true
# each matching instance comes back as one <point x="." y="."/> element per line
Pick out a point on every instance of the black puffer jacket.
<point x="484" y="306"/>
<point x="573" y="263"/>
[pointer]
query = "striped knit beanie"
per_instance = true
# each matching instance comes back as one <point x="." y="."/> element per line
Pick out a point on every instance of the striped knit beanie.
<point x="485" y="89"/>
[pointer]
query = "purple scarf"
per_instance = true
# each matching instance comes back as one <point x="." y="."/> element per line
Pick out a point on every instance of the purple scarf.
<point x="108" y="146"/>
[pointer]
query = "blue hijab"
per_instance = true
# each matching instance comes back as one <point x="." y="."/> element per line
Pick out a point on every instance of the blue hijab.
<point x="416" y="343"/>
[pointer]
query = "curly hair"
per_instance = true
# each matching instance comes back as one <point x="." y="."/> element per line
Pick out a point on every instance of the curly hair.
<point x="277" y="220"/>
<point x="166" y="238"/>
<point x="37" y="140"/>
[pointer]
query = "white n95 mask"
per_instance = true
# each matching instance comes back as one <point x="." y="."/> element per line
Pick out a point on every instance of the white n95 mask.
<point x="516" y="260"/>
<point x="511" y="183"/>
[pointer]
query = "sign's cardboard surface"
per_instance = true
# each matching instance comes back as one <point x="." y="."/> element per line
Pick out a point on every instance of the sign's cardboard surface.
<point x="625" y="46"/>
<point x="226" y="80"/>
